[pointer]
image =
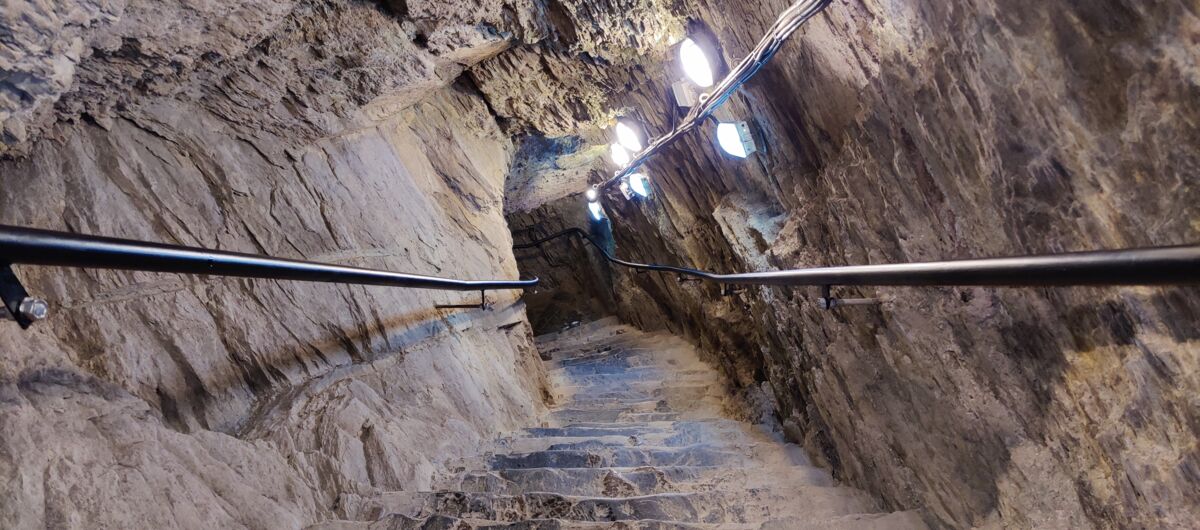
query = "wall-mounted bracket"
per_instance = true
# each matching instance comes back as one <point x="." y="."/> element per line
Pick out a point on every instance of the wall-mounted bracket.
<point x="483" y="304"/>
<point x="18" y="305"/>
<point x="729" y="290"/>
<point x="827" y="301"/>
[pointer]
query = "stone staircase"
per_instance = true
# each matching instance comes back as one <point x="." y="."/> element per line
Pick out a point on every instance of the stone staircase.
<point x="640" y="442"/>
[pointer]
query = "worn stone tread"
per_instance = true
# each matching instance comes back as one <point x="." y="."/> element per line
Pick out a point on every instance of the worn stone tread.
<point x="638" y="441"/>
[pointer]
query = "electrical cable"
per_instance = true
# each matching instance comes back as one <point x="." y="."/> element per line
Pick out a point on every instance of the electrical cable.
<point x="788" y="22"/>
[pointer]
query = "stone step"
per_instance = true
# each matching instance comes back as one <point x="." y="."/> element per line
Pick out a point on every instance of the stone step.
<point x="874" y="521"/>
<point x="621" y="355"/>
<point x="438" y="522"/>
<point x="529" y="444"/>
<point x="590" y="431"/>
<point x="675" y="507"/>
<point x="611" y="416"/>
<point x="670" y="434"/>
<point x="749" y="505"/>
<point x="637" y="373"/>
<point x="624" y="482"/>
<point x="585" y="438"/>
<point x="691" y="455"/>
<point x="642" y="403"/>
<point x="673" y="393"/>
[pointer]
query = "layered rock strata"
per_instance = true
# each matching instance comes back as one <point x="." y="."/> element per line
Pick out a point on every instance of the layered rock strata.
<point x="899" y="132"/>
<point x="325" y="131"/>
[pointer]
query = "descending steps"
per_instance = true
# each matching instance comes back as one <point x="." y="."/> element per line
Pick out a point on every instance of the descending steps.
<point x="639" y="443"/>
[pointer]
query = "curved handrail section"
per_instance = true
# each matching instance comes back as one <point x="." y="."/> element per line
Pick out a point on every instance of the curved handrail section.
<point x="1142" y="266"/>
<point x="28" y="246"/>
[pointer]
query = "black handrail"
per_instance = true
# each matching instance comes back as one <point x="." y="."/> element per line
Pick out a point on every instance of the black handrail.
<point x="1143" y="266"/>
<point x="28" y="246"/>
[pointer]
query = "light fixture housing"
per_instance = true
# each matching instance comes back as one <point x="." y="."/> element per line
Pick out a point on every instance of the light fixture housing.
<point x="639" y="184"/>
<point x="685" y="94"/>
<point x="620" y="156"/>
<point x="735" y="139"/>
<point x="695" y="63"/>
<point x="628" y="136"/>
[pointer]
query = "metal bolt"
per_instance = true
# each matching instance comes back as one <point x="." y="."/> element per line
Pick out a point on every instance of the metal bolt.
<point x="34" y="308"/>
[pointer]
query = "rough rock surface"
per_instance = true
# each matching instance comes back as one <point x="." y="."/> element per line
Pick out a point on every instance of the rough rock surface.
<point x="902" y="131"/>
<point x="639" y="440"/>
<point x="888" y="131"/>
<point x="293" y="67"/>
<point x="258" y="403"/>
<point x="315" y="130"/>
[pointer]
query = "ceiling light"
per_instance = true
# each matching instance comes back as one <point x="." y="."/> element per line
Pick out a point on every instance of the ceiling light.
<point x="628" y="137"/>
<point x="735" y="139"/>
<point x="695" y="64"/>
<point x="620" y="156"/>
<point x="596" y="210"/>
<point x="640" y="184"/>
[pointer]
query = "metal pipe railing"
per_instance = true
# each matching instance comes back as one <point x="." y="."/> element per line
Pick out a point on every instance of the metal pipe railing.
<point x="1143" y="266"/>
<point x="28" y="246"/>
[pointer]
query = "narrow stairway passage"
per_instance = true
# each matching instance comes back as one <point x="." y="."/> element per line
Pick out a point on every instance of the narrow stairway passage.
<point x="640" y="441"/>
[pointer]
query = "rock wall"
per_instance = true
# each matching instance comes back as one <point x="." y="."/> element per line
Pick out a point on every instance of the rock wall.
<point x="318" y="130"/>
<point x="888" y="130"/>
<point x="893" y="131"/>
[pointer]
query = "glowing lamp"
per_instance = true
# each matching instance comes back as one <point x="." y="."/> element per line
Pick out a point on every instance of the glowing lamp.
<point x="735" y="139"/>
<point x="596" y="210"/>
<point x="628" y="137"/>
<point x="620" y="156"/>
<point x="639" y="183"/>
<point x="591" y="194"/>
<point x="695" y="64"/>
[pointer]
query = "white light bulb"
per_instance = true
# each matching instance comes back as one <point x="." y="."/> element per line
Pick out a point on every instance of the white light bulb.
<point x="640" y="184"/>
<point x="628" y="138"/>
<point x="730" y="140"/>
<point x="695" y="64"/>
<point x="620" y="156"/>
<point x="596" y="210"/>
<point x="591" y="194"/>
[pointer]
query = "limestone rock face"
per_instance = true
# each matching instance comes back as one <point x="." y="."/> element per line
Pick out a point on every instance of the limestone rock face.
<point x="286" y="396"/>
<point x="280" y="64"/>
<point x="312" y="130"/>
<point x="899" y="132"/>
<point x="404" y="134"/>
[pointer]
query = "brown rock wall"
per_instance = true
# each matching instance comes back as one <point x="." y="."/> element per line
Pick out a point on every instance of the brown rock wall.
<point x="895" y="132"/>
<point x="151" y="400"/>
